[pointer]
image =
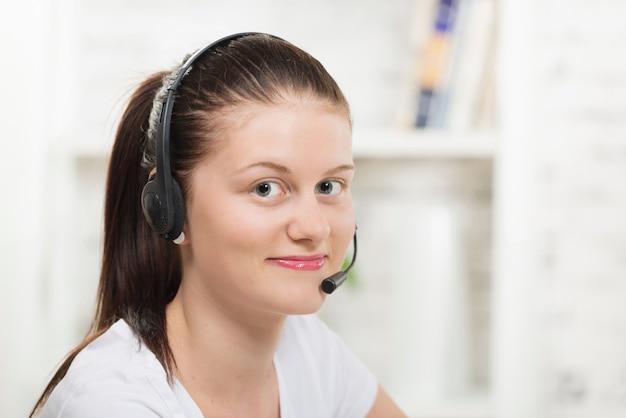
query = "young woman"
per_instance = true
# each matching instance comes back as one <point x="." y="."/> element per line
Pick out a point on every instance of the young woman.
<point x="241" y="158"/>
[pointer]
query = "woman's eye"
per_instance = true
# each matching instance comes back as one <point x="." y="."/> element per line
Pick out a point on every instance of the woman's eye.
<point x="329" y="187"/>
<point x="267" y="189"/>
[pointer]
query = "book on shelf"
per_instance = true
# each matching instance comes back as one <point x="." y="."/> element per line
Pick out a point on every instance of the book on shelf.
<point x="454" y="77"/>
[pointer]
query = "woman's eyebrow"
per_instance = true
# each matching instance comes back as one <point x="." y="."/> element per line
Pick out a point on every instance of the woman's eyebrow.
<point x="285" y="170"/>
<point x="268" y="164"/>
<point x="343" y="167"/>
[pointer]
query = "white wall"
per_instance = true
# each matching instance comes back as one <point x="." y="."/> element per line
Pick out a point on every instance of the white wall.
<point x="25" y="123"/>
<point x="559" y="312"/>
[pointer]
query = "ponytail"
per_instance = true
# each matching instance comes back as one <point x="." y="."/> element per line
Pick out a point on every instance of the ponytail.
<point x="141" y="272"/>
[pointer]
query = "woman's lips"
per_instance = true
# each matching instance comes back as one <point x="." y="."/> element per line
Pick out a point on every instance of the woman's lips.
<point x="301" y="263"/>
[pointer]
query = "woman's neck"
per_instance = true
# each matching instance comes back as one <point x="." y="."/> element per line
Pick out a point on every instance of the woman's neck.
<point x="224" y="360"/>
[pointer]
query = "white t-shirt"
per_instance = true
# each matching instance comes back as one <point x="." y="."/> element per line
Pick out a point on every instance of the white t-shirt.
<point x="117" y="376"/>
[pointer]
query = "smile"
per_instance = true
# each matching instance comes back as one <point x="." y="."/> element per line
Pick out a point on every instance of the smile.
<point x="301" y="263"/>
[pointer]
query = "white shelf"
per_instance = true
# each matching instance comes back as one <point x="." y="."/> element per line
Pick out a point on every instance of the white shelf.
<point x="399" y="144"/>
<point x="368" y="144"/>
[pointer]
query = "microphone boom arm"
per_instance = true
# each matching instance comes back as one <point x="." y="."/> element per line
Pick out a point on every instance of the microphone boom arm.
<point x="331" y="283"/>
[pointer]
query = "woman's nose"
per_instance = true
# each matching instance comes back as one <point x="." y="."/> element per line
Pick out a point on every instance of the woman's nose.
<point x="308" y="221"/>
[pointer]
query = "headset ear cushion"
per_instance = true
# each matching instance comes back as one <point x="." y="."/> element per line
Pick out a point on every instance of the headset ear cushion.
<point x="154" y="208"/>
<point x="179" y="212"/>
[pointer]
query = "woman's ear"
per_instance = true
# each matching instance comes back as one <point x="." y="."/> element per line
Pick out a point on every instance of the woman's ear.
<point x="152" y="174"/>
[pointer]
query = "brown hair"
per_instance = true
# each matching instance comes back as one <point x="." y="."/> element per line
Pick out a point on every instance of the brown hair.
<point x="141" y="272"/>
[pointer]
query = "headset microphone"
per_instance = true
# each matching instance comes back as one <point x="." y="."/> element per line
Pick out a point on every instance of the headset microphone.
<point x="331" y="283"/>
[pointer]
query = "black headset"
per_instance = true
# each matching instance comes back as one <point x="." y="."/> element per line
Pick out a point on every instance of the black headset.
<point x="162" y="198"/>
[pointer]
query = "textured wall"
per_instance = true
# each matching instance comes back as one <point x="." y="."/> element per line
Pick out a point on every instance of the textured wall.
<point x="579" y="76"/>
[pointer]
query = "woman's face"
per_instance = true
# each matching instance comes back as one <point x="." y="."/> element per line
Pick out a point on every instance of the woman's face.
<point x="270" y="213"/>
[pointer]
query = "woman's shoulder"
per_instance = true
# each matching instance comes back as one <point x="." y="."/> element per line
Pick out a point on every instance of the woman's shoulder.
<point x="117" y="353"/>
<point x="114" y="374"/>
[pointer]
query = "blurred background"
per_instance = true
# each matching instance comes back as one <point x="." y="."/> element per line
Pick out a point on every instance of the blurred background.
<point x="490" y="144"/>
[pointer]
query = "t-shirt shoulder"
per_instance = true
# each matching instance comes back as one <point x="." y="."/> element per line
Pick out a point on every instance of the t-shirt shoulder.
<point x="113" y="376"/>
